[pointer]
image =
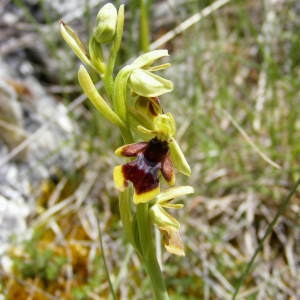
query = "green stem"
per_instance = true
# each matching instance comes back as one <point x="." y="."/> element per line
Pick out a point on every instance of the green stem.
<point x="149" y="259"/>
<point x="125" y="214"/>
<point x="108" y="77"/>
<point x="145" y="247"/>
<point x="144" y="26"/>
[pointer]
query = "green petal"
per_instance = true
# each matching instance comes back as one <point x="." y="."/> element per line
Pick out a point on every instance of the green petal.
<point x="147" y="84"/>
<point x="159" y="67"/>
<point x="171" y="205"/>
<point x="178" y="158"/>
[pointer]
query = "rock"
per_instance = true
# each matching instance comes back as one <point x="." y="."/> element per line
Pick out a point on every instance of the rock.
<point x="11" y="120"/>
<point x="43" y="124"/>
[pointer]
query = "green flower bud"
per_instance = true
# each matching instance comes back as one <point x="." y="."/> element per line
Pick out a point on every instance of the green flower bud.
<point x="148" y="84"/>
<point x="106" y="24"/>
<point x="74" y="43"/>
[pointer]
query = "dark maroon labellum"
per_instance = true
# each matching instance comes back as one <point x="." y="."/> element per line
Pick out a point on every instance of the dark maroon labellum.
<point x="143" y="172"/>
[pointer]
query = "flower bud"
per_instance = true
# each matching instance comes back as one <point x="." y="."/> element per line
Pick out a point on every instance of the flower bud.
<point x="74" y="43"/>
<point x="106" y="24"/>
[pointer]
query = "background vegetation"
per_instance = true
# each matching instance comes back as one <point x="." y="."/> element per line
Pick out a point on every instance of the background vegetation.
<point x="236" y="100"/>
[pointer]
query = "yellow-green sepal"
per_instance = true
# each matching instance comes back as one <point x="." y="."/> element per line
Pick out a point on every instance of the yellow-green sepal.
<point x="148" y="84"/>
<point x="178" y="158"/>
<point x="162" y="219"/>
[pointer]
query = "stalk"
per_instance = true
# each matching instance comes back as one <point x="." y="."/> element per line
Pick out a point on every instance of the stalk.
<point x="146" y="249"/>
<point x="125" y="214"/>
<point x="144" y="26"/>
<point x="149" y="259"/>
<point x="138" y="225"/>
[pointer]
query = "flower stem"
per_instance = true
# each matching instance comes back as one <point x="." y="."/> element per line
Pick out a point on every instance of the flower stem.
<point x="149" y="259"/>
<point x="144" y="26"/>
<point x="108" y="77"/>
